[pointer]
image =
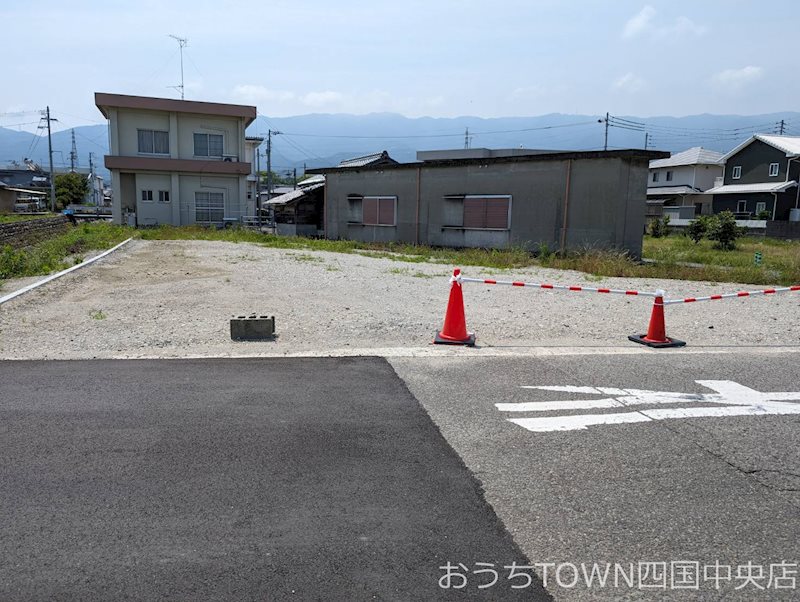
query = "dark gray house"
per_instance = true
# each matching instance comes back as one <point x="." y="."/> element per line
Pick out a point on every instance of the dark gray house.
<point x="494" y="199"/>
<point x="761" y="174"/>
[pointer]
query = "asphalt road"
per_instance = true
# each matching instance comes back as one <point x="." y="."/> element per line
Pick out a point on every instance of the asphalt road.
<point x="651" y="478"/>
<point x="313" y="479"/>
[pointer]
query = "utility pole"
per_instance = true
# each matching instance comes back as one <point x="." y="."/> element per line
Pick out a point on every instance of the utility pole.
<point x="294" y="175"/>
<point x="782" y="127"/>
<point x="645" y="140"/>
<point x="91" y="180"/>
<point x="605" y="144"/>
<point x="46" y="115"/>
<point x="270" y="134"/>
<point x="181" y="42"/>
<point x="466" y="138"/>
<point x="73" y="154"/>
<point x="258" y="187"/>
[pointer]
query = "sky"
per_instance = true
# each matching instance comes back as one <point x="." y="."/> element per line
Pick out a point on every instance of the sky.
<point x="439" y="58"/>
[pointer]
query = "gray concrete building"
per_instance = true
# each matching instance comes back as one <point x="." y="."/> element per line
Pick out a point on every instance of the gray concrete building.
<point x="494" y="199"/>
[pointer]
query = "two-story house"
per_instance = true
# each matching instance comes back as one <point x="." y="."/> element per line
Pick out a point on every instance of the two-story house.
<point x="760" y="177"/>
<point x="681" y="180"/>
<point x="177" y="161"/>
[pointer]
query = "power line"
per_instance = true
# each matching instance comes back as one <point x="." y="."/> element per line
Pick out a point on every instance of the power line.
<point x="459" y="135"/>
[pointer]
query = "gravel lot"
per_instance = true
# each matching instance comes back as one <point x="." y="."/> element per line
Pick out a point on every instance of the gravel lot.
<point x="174" y="299"/>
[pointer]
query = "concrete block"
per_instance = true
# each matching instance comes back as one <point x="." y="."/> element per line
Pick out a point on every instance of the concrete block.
<point x="252" y="328"/>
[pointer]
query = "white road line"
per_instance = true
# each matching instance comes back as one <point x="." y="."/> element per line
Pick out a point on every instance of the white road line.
<point x="739" y="400"/>
<point x="582" y="422"/>
<point x="549" y="406"/>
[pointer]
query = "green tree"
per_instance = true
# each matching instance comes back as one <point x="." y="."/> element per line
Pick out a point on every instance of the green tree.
<point x="698" y="228"/>
<point x="70" y="188"/>
<point x="723" y="230"/>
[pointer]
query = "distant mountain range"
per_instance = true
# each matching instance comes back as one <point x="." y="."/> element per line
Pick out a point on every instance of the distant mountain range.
<point x="320" y="140"/>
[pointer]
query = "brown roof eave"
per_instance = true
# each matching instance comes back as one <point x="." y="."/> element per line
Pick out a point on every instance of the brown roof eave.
<point x="104" y="101"/>
<point x="561" y="156"/>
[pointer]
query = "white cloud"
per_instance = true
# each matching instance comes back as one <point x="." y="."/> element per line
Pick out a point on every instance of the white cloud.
<point x="639" y="23"/>
<point x="735" y="79"/>
<point x="629" y="83"/>
<point x="644" y="23"/>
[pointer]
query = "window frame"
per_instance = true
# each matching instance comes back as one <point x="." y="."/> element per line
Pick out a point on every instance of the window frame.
<point x="377" y="199"/>
<point x="208" y="136"/>
<point x="144" y="193"/>
<point x="655" y="177"/>
<point x="669" y="176"/>
<point x="739" y="204"/>
<point x="208" y="206"/>
<point x="152" y="133"/>
<point x="164" y="196"/>
<point x="774" y="169"/>
<point x="507" y="197"/>
<point x="736" y="173"/>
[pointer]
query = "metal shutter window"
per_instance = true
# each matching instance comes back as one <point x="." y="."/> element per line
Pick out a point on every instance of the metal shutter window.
<point x="497" y="213"/>
<point x="386" y="212"/>
<point x="486" y="213"/>
<point x="474" y="213"/>
<point x="370" y="211"/>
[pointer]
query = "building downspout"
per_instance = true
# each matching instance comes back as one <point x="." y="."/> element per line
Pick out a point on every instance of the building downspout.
<point x="416" y="219"/>
<point x="563" y="242"/>
<point x="325" y="210"/>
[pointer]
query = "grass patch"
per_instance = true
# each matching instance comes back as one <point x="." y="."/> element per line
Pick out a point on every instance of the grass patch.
<point x="780" y="265"/>
<point x="51" y="255"/>
<point x="97" y="314"/>
<point x="8" y="218"/>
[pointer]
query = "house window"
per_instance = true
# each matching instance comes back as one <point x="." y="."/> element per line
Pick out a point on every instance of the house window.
<point x="163" y="196"/>
<point x="208" y="145"/>
<point x="488" y="212"/>
<point x="669" y="176"/>
<point x="761" y="206"/>
<point x="773" y="169"/>
<point x="209" y="207"/>
<point x="655" y="176"/>
<point x="379" y="210"/>
<point x="737" y="172"/>
<point x="147" y="196"/>
<point x="741" y="207"/>
<point x="153" y="142"/>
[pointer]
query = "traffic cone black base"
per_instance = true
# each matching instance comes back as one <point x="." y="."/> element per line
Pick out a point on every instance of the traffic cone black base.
<point x="469" y="341"/>
<point x="667" y="342"/>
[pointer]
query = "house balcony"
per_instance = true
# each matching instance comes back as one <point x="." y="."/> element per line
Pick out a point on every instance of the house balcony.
<point x="228" y="165"/>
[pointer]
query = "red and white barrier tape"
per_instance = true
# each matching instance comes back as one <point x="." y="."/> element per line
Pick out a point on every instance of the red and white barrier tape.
<point x="766" y="291"/>
<point x="561" y="287"/>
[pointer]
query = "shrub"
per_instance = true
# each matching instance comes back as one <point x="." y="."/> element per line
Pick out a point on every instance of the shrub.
<point x="722" y="229"/>
<point x="659" y="226"/>
<point x="764" y="215"/>
<point x="698" y="228"/>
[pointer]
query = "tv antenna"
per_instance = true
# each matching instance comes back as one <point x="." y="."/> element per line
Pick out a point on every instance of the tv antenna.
<point x="182" y="42"/>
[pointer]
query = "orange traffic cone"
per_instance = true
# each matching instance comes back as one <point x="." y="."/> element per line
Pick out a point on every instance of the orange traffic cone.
<point x="454" y="331"/>
<point x="656" y="331"/>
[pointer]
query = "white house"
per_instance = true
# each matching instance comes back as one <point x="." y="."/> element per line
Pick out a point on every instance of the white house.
<point x="177" y="161"/>
<point x="681" y="180"/>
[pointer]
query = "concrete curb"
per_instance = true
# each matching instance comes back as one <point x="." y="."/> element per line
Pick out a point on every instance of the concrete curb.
<point x="30" y="287"/>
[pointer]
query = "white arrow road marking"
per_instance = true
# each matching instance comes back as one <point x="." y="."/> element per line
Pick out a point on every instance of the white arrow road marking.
<point x="740" y="400"/>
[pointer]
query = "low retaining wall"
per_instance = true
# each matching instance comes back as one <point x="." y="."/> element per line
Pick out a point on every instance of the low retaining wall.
<point x="784" y="230"/>
<point x="23" y="234"/>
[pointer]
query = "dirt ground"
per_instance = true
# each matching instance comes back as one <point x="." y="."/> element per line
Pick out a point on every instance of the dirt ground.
<point x="175" y="299"/>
